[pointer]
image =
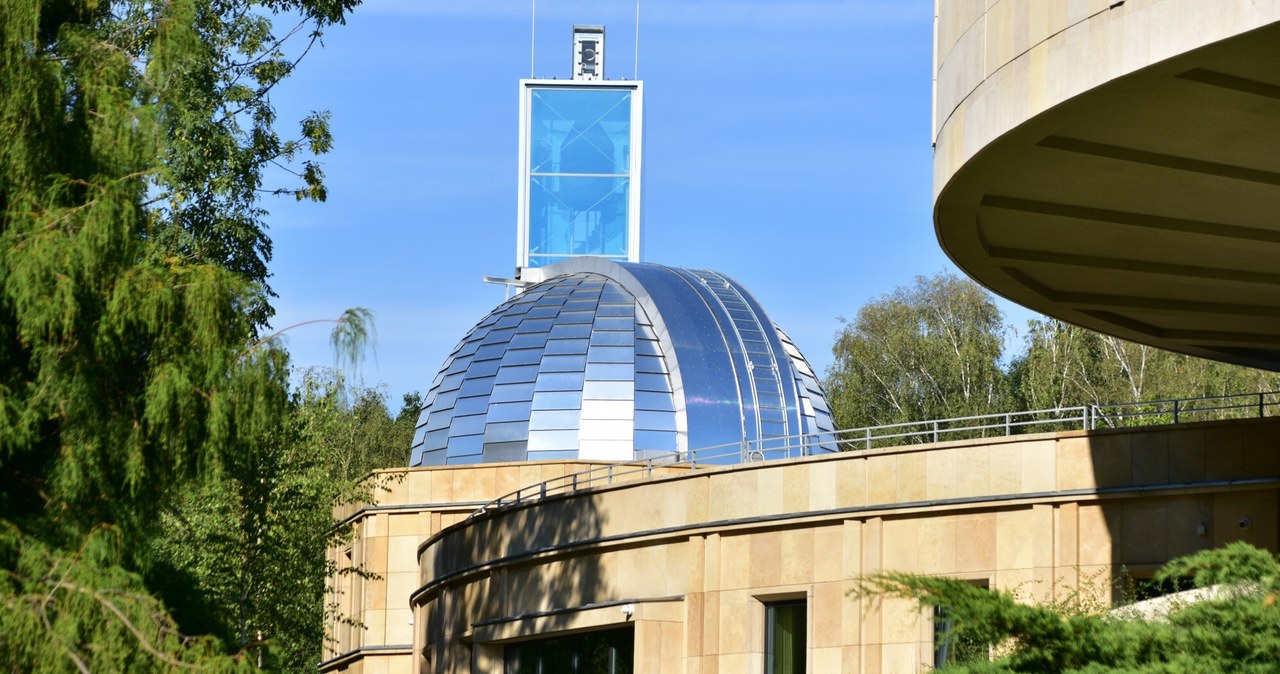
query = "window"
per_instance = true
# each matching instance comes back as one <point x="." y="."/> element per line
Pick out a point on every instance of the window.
<point x="953" y="646"/>
<point x="786" y="637"/>
<point x="603" y="652"/>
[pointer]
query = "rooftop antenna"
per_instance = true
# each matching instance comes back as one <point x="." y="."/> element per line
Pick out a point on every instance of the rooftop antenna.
<point x="533" y="37"/>
<point x="636" y="64"/>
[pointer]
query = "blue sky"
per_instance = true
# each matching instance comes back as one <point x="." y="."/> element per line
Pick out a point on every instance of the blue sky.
<point x="787" y="145"/>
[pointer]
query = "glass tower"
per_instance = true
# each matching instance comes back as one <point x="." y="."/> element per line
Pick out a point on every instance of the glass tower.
<point x="579" y="188"/>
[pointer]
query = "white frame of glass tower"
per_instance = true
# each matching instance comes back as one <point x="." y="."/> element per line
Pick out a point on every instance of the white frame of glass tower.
<point x="527" y="87"/>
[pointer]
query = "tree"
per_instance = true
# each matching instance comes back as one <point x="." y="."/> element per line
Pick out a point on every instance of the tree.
<point x="930" y="351"/>
<point x="132" y="286"/>
<point x="1065" y="365"/>
<point x="1236" y="630"/>
<point x="243" y="554"/>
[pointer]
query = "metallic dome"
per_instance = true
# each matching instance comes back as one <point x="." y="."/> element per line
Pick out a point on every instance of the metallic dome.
<point x="620" y="361"/>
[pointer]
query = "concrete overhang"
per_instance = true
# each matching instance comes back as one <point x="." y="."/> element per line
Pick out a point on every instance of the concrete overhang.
<point x="1147" y="207"/>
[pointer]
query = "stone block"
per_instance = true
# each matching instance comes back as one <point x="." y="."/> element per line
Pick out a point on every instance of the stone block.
<point x="882" y="479"/>
<point x="940" y="474"/>
<point x="1039" y="466"/>
<point x="1150" y="456"/>
<point x="973" y="474"/>
<point x="851" y="482"/>
<point x="912" y="484"/>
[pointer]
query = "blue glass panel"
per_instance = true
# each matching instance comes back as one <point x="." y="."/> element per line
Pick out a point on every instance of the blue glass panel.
<point x="607" y="390"/>
<point x="542" y="312"/>
<point x="503" y="452"/>
<point x="535" y="325"/>
<point x="578" y="215"/>
<point x="575" y="317"/>
<point x="655" y="421"/>
<point x="648" y="347"/>
<point x="652" y="364"/>
<point x="476" y="405"/>
<point x="458" y="365"/>
<point x="612" y="292"/>
<point x="522" y="356"/>
<point x="483" y="368"/>
<point x="652" y="400"/>
<point x="557" y="400"/>
<point x="440" y="418"/>
<point x="475" y="387"/>
<point x="611" y="354"/>
<point x="656" y="440"/>
<point x="610" y="371"/>
<point x="517" y="373"/>
<point x="617" y="310"/>
<point x="507" y="431"/>
<point x="558" y="347"/>
<point x="469" y="347"/>
<point x="553" y="420"/>
<point x="506" y="393"/>
<point x="613" y="338"/>
<point x="468" y="425"/>
<point x="615" y="323"/>
<point x="508" y="320"/>
<point x="435" y="440"/>
<point x="528" y="340"/>
<point x="580" y="305"/>
<point x="564" y="363"/>
<point x="517" y="411"/>
<point x="451" y="382"/>
<point x="559" y="381"/>
<point x="652" y="382"/>
<point x="436" y="458"/>
<point x="491" y="351"/>
<point x="503" y="334"/>
<point x="584" y="130"/>
<point x="467" y="445"/>
<point x="574" y="330"/>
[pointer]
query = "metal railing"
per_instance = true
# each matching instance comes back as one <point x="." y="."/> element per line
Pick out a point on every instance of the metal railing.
<point x="1083" y="417"/>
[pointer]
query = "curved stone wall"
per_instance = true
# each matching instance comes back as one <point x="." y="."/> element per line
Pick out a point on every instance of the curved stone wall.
<point x="696" y="557"/>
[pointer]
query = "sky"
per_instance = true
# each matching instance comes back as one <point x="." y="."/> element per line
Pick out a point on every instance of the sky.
<point x="786" y="145"/>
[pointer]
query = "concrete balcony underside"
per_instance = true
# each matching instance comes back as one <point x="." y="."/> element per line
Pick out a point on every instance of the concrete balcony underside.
<point x="1147" y="207"/>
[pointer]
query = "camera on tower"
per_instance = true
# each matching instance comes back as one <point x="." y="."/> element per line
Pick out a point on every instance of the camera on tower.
<point x="588" y="52"/>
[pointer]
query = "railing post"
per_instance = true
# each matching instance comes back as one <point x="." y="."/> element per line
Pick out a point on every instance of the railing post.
<point x="542" y="490"/>
<point x="609" y="475"/>
<point x="746" y="451"/>
<point x="575" y="482"/>
<point x="1176" y="408"/>
<point x="1262" y="406"/>
<point x="868" y="438"/>
<point x="1008" y="428"/>
<point x="935" y="431"/>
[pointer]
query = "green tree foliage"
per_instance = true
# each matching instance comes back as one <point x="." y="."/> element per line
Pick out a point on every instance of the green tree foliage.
<point x="930" y="351"/>
<point x="132" y="283"/>
<point x="243" y="555"/>
<point x="935" y="351"/>
<point x="81" y="611"/>
<point x="1067" y="365"/>
<point x="1237" y="630"/>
